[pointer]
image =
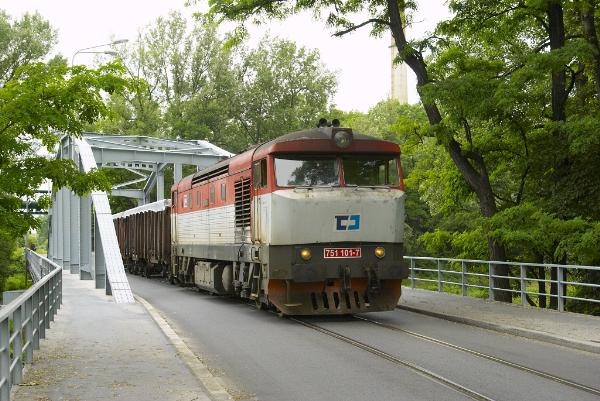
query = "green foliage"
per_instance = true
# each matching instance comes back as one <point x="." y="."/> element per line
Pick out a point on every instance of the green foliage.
<point x="284" y="88"/>
<point x="12" y="261"/>
<point x="40" y="102"/>
<point x="191" y="84"/>
<point x="15" y="282"/>
<point x="40" y="240"/>
<point x="22" y="42"/>
<point x="35" y="105"/>
<point x="487" y="71"/>
<point x="532" y="234"/>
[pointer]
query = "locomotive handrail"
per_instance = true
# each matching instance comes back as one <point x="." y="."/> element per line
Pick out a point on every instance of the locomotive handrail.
<point x="24" y="321"/>
<point x="472" y="271"/>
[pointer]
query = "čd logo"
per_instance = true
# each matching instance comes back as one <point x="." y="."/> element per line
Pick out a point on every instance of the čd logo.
<point x="347" y="222"/>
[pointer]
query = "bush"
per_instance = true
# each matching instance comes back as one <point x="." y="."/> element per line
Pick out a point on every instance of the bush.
<point x="15" y="282"/>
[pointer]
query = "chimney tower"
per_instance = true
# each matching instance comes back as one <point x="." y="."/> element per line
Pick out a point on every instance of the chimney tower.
<point x="398" y="78"/>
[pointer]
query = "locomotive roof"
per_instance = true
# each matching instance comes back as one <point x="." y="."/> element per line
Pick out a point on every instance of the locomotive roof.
<point x="243" y="160"/>
<point x="315" y="133"/>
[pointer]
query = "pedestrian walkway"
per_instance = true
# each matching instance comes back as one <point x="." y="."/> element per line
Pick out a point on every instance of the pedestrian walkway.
<point x="99" y="350"/>
<point x="563" y="328"/>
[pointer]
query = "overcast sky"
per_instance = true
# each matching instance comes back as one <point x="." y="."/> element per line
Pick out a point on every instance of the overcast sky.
<point x="362" y="63"/>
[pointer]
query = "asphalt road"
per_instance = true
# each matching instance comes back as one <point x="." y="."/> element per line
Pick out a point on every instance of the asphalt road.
<point x="261" y="356"/>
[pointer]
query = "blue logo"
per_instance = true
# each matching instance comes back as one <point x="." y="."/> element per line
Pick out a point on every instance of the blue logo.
<point x="347" y="222"/>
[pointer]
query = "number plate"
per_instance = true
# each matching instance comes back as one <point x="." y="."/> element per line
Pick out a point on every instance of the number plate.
<point x="334" y="253"/>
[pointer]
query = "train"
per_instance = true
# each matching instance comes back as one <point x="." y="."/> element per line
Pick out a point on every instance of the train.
<point x="310" y="223"/>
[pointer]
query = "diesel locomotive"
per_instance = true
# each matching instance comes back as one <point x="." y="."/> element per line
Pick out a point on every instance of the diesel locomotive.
<point x="308" y="223"/>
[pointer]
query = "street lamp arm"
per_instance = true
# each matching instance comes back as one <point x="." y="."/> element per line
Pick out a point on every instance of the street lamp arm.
<point x="116" y="42"/>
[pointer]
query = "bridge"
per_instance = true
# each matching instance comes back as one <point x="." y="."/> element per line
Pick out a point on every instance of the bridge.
<point x="88" y="331"/>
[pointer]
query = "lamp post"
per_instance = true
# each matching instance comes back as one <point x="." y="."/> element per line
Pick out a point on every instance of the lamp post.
<point x="84" y="50"/>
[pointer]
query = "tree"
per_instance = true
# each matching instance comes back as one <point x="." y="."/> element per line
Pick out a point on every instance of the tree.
<point x="23" y="41"/>
<point x="191" y="85"/>
<point x="284" y="88"/>
<point x="37" y="105"/>
<point x="183" y="83"/>
<point x="498" y="83"/>
<point x="383" y="16"/>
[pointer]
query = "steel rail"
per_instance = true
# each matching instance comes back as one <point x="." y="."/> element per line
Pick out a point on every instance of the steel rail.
<point x="416" y="368"/>
<point x="515" y="365"/>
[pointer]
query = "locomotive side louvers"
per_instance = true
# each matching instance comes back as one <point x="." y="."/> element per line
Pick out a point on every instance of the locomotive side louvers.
<point x="242" y="210"/>
<point x="210" y="173"/>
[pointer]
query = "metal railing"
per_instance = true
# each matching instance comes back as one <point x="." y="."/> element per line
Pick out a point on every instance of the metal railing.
<point x="24" y="321"/>
<point x="464" y="274"/>
<point x="37" y="268"/>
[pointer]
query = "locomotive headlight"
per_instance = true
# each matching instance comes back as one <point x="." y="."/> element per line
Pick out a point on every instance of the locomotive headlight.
<point x="342" y="138"/>
<point x="380" y="252"/>
<point x="305" y="254"/>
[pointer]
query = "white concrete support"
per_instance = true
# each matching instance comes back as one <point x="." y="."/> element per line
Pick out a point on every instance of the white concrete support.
<point x="99" y="261"/>
<point x="66" y="232"/>
<point x="75" y="245"/>
<point x="85" y="238"/>
<point x="177" y="172"/>
<point x="60" y="227"/>
<point x="160" y="184"/>
<point x="50" y="239"/>
<point x="108" y="262"/>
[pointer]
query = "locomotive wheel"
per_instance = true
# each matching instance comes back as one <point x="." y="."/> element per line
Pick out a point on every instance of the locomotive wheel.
<point x="171" y="279"/>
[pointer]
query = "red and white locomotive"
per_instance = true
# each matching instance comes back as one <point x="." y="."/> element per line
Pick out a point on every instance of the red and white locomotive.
<point x="308" y="223"/>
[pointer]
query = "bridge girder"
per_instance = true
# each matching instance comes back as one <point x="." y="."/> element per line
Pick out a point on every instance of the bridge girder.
<point x="96" y="256"/>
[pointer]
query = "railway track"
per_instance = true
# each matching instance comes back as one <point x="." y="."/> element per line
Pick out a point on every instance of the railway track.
<point x="514" y="365"/>
<point x="416" y="368"/>
<point x="432" y="375"/>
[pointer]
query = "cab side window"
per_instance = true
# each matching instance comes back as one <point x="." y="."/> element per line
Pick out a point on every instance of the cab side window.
<point x="259" y="173"/>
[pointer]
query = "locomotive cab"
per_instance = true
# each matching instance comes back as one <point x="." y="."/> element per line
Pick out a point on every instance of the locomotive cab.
<point x="328" y="215"/>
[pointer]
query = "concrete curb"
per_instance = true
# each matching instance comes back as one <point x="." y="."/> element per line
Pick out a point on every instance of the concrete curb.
<point x="516" y="331"/>
<point x="212" y="384"/>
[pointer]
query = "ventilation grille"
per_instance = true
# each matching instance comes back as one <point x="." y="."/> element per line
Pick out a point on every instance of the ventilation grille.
<point x="242" y="203"/>
<point x="212" y="173"/>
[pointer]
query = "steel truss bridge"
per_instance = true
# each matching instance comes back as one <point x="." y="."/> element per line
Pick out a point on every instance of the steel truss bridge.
<point x="82" y="237"/>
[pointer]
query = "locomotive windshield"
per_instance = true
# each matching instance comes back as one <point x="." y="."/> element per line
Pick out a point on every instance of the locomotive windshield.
<point x="306" y="171"/>
<point x="371" y="171"/>
<point x="359" y="170"/>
